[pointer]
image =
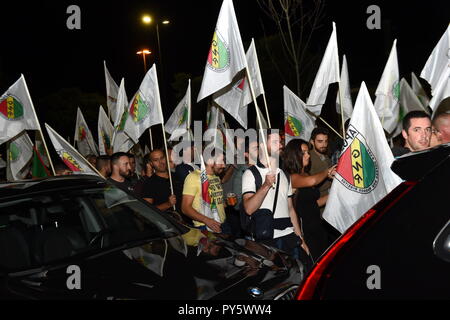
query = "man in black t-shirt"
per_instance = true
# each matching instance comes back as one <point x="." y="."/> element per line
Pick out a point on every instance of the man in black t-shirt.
<point x="156" y="189"/>
<point x="121" y="169"/>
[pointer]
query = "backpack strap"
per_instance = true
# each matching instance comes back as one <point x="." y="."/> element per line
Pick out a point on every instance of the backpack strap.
<point x="258" y="179"/>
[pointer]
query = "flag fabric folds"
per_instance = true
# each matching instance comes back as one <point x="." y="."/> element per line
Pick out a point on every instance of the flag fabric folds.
<point x="16" y="111"/>
<point x="328" y="72"/>
<point x="442" y="90"/>
<point x="438" y="62"/>
<point x="298" y="124"/>
<point x="419" y="90"/>
<point x="345" y="95"/>
<point x="226" y="55"/>
<point x="83" y="136"/>
<point x="363" y="175"/>
<point x="20" y="152"/>
<point x="180" y="120"/>
<point x="105" y="132"/>
<point x="112" y="91"/>
<point x="71" y="158"/>
<point x="388" y="93"/>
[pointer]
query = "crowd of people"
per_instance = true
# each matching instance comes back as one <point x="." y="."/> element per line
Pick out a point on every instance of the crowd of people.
<point x="275" y="198"/>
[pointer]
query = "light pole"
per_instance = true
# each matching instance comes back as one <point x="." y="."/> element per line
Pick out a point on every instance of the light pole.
<point x="146" y="19"/>
<point x="144" y="52"/>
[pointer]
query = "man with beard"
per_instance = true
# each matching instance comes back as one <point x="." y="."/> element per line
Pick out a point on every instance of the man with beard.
<point x="192" y="192"/>
<point x="267" y="191"/>
<point x="416" y="132"/>
<point x="156" y="189"/>
<point x="134" y="178"/>
<point x="121" y="169"/>
<point x="320" y="160"/>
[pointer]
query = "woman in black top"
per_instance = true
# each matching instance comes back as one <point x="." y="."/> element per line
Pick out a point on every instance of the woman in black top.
<point x="296" y="162"/>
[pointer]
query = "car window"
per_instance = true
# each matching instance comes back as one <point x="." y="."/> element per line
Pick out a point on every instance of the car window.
<point x="48" y="227"/>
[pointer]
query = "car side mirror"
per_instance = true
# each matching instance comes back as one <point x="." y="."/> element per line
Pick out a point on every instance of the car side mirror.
<point x="441" y="245"/>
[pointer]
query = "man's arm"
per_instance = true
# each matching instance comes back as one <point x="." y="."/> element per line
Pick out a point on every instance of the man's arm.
<point x="186" y="207"/>
<point x="253" y="201"/>
<point x="165" y="205"/>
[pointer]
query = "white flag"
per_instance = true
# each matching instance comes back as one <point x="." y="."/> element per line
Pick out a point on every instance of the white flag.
<point x="121" y="106"/>
<point x="388" y="93"/>
<point x="419" y="90"/>
<point x="145" y="107"/>
<point x="328" y="72"/>
<point x="255" y="74"/>
<point x="438" y="62"/>
<point x="83" y="136"/>
<point x="347" y="104"/>
<point x="226" y="55"/>
<point x="409" y="101"/>
<point x="180" y="120"/>
<point x="442" y="90"/>
<point x="105" y="132"/>
<point x="16" y="111"/>
<point x="363" y="175"/>
<point x="217" y="129"/>
<point x="71" y="158"/>
<point x="298" y="124"/>
<point x="20" y="152"/>
<point x="112" y="91"/>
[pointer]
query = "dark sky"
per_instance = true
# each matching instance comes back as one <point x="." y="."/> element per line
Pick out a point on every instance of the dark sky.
<point x="37" y="43"/>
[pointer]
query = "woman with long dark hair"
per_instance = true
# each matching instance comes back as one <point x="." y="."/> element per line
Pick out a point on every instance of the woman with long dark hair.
<point x="307" y="201"/>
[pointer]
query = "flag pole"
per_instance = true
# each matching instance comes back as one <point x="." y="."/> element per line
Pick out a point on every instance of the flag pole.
<point x="151" y="138"/>
<point x="258" y="117"/>
<point x="326" y="123"/>
<point x="267" y="109"/>
<point x="39" y="128"/>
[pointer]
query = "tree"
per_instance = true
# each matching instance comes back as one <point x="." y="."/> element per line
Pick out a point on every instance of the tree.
<point x="296" y="21"/>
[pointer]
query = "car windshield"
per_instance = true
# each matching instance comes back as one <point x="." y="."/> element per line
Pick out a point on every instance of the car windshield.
<point x="46" y="227"/>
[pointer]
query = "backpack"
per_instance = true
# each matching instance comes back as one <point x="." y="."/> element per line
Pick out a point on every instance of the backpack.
<point x="261" y="224"/>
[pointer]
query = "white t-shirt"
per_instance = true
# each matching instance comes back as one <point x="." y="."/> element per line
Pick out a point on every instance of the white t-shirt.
<point x="284" y="192"/>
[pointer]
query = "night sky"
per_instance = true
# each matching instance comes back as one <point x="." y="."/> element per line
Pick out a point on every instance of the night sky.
<point x="37" y="43"/>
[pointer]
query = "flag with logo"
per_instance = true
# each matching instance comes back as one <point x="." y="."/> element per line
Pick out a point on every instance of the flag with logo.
<point x="145" y="107"/>
<point x="83" y="136"/>
<point x="363" y="174"/>
<point x="180" y="120"/>
<point x="105" y="132"/>
<point x="298" y="124"/>
<point x="16" y="111"/>
<point x="328" y="73"/>
<point x="419" y="90"/>
<point x="345" y="95"/>
<point x="208" y="206"/>
<point x="438" y="62"/>
<point x="112" y="91"/>
<point x="226" y="55"/>
<point x="20" y="151"/>
<point x="68" y="154"/>
<point x="121" y="140"/>
<point x="388" y="93"/>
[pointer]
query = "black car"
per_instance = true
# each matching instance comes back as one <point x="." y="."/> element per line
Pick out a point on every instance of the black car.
<point x="399" y="249"/>
<point x="79" y="237"/>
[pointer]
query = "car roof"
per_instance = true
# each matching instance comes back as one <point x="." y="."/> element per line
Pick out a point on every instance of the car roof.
<point x="414" y="166"/>
<point x="24" y="187"/>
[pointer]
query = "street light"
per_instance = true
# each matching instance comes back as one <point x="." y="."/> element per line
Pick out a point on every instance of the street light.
<point x="146" y="19"/>
<point x="144" y="52"/>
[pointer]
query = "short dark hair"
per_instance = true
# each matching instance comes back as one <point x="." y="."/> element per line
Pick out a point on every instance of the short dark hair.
<point x="319" y="130"/>
<point x="102" y="161"/>
<point x="211" y="152"/>
<point x="406" y="122"/>
<point x="130" y="155"/>
<point x="116" y="156"/>
<point x="146" y="160"/>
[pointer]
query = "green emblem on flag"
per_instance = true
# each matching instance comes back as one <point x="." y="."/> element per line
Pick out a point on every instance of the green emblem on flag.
<point x="14" y="152"/>
<point x="139" y="109"/>
<point x="184" y="116"/>
<point x="396" y="90"/>
<point x="357" y="168"/>
<point x="122" y="122"/>
<point x="293" y="126"/>
<point x="219" y="54"/>
<point x="11" y="108"/>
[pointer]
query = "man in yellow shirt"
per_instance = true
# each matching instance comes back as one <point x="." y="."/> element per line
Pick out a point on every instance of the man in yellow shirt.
<point x="192" y="191"/>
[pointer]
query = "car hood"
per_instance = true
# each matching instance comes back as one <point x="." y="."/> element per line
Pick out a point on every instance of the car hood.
<point x="197" y="265"/>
